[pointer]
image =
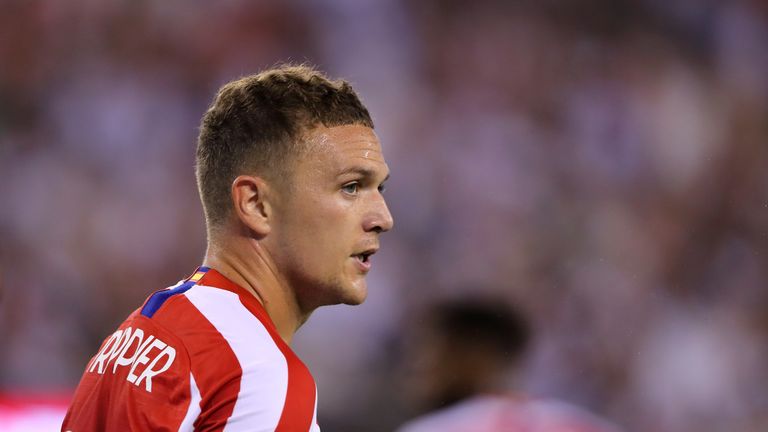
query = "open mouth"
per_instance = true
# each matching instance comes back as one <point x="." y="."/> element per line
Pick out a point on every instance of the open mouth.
<point x="364" y="257"/>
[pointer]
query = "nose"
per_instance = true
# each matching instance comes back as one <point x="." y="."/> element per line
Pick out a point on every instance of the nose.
<point x="379" y="219"/>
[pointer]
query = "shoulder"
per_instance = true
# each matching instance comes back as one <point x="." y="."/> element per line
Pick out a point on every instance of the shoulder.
<point x="552" y="413"/>
<point x="141" y="347"/>
<point x="477" y="414"/>
<point x="241" y="368"/>
<point x="200" y="356"/>
<point x="490" y="412"/>
<point x="138" y="367"/>
<point x="225" y="343"/>
<point x="208" y="318"/>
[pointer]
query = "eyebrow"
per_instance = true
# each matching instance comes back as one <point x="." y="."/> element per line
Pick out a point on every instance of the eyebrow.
<point x="365" y="172"/>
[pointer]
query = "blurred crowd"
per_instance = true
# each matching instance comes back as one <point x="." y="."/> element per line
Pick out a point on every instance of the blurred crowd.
<point x="602" y="165"/>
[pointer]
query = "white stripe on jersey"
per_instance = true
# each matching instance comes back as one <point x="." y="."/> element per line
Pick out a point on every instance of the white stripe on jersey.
<point x="194" y="407"/>
<point x="264" y="383"/>
<point x="314" y="427"/>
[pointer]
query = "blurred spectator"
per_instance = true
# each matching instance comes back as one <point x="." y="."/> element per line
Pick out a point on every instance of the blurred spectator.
<point x="465" y="358"/>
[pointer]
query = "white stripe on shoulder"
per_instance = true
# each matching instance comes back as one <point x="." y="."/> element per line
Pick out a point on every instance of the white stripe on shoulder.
<point x="264" y="383"/>
<point x="314" y="427"/>
<point x="194" y="407"/>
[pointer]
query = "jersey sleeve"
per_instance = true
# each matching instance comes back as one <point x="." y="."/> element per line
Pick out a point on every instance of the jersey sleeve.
<point x="138" y="380"/>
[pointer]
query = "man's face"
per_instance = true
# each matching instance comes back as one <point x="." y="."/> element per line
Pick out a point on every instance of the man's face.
<point x="329" y="216"/>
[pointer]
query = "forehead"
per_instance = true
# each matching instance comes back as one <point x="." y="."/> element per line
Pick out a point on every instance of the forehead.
<point x="340" y="148"/>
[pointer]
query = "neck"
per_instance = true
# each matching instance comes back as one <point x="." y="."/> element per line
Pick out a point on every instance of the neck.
<point x="246" y="263"/>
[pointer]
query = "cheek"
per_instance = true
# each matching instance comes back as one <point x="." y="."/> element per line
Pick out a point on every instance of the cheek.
<point x="323" y="230"/>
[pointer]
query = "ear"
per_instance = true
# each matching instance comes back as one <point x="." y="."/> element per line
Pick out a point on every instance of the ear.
<point x="250" y="196"/>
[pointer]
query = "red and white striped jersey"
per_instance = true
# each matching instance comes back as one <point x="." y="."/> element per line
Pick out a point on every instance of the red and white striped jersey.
<point x="505" y="413"/>
<point x="200" y="356"/>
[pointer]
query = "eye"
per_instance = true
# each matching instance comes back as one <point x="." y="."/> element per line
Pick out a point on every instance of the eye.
<point x="382" y="188"/>
<point x="351" y="188"/>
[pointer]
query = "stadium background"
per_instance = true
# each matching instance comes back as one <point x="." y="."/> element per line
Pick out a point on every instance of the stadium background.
<point x="601" y="164"/>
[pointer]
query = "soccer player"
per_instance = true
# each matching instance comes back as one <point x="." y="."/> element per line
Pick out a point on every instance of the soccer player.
<point x="290" y="174"/>
<point x="460" y="356"/>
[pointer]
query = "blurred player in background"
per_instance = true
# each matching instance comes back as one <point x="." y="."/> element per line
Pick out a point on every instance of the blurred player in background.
<point x="460" y="359"/>
<point x="290" y="175"/>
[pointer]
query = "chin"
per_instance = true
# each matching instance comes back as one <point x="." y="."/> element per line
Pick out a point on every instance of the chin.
<point x="355" y="294"/>
<point x="354" y="301"/>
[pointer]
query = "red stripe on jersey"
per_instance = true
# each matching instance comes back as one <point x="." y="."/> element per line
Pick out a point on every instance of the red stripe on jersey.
<point x="214" y="366"/>
<point x="298" y="409"/>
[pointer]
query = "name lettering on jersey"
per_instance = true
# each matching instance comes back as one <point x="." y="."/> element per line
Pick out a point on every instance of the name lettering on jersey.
<point x="129" y="349"/>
